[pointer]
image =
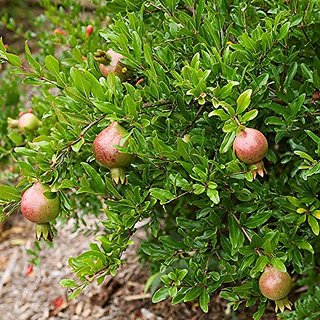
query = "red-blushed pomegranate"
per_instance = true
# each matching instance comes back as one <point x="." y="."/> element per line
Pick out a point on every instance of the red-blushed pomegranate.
<point x="315" y="96"/>
<point x="28" y="122"/>
<point x="29" y="270"/>
<point x="276" y="285"/>
<point x="36" y="207"/>
<point x="89" y="30"/>
<point x="59" y="31"/>
<point x="250" y="146"/>
<point x="39" y="209"/>
<point x="110" y="157"/>
<point x="110" y="62"/>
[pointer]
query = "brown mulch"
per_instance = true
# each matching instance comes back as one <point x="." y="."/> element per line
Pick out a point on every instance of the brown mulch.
<point x="37" y="295"/>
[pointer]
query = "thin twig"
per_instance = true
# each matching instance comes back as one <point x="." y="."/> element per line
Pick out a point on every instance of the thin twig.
<point x="245" y="232"/>
<point x="158" y="103"/>
<point x="280" y="101"/>
<point x="195" y="119"/>
<point x="237" y="120"/>
<point x="177" y="197"/>
<point x="67" y="147"/>
<point x="90" y="125"/>
<point x="137" y="297"/>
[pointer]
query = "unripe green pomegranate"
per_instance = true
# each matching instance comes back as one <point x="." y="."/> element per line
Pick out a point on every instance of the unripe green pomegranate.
<point x="28" y="122"/>
<point x="110" y="62"/>
<point x="250" y="146"/>
<point x="110" y="157"/>
<point x="39" y="209"/>
<point x="276" y="285"/>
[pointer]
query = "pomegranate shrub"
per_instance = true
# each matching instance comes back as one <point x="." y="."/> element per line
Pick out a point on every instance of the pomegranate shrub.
<point x="196" y="119"/>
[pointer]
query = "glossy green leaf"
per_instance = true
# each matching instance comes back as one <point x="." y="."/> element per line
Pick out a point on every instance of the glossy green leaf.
<point x="192" y="294"/>
<point x="314" y="224"/>
<point x="227" y="142"/>
<point x="160" y="295"/>
<point x="204" y="301"/>
<point x="8" y="193"/>
<point x="248" y="116"/>
<point x="258" y="219"/>
<point x="243" y="101"/>
<point x="97" y="181"/>
<point x="284" y="30"/>
<point x="277" y="263"/>
<point x="161" y="194"/>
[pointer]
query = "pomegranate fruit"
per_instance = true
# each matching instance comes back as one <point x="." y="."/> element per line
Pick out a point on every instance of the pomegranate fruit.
<point x="110" y="157"/>
<point x="276" y="285"/>
<point x="28" y="122"/>
<point x="315" y="96"/>
<point x="59" y="31"/>
<point x="39" y="209"/>
<point x="29" y="270"/>
<point x="110" y="62"/>
<point x="250" y="146"/>
<point x="89" y="30"/>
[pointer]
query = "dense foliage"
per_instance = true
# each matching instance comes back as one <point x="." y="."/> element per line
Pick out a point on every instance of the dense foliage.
<point x="200" y="72"/>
